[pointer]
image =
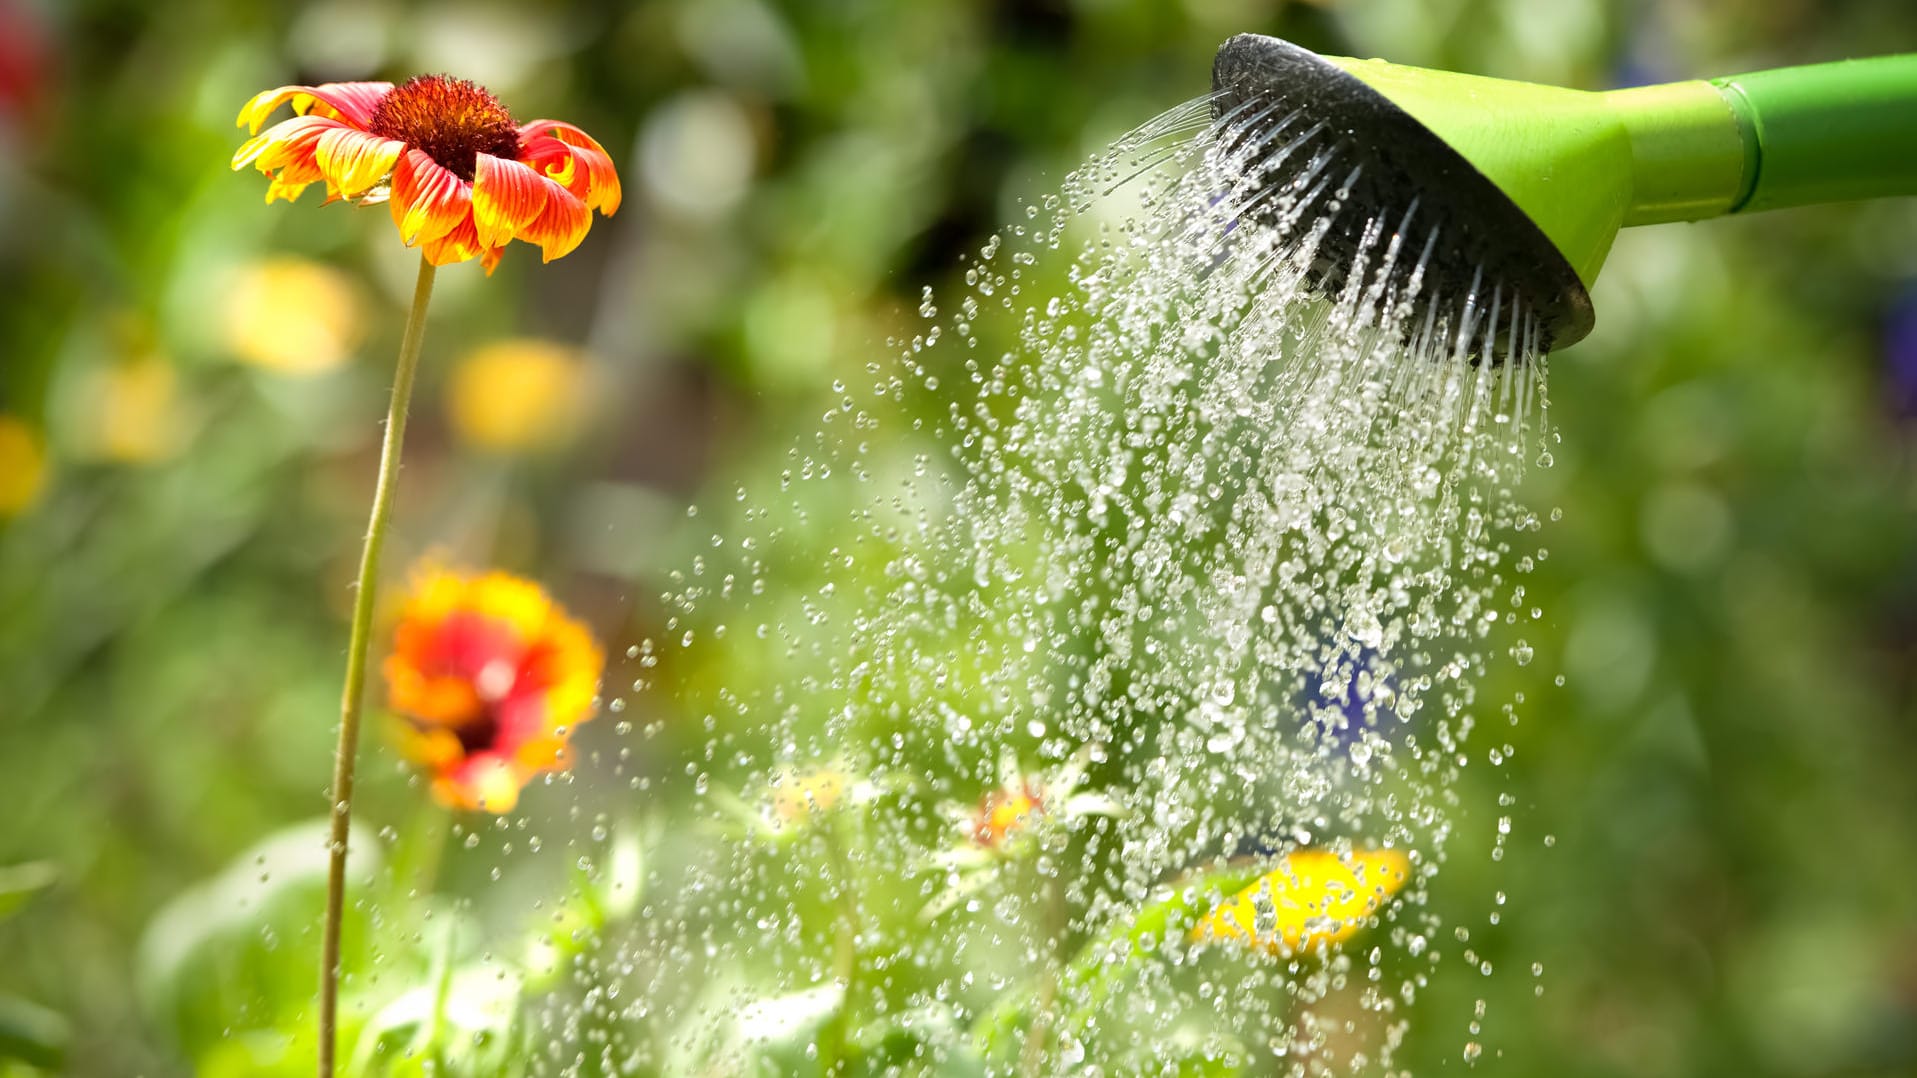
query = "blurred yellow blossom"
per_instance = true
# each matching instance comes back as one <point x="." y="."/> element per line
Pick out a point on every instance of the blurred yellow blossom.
<point x="798" y="796"/>
<point x="293" y="316"/>
<point x="23" y="466"/>
<point x="1312" y="897"/>
<point x="517" y="395"/>
<point x="129" y="411"/>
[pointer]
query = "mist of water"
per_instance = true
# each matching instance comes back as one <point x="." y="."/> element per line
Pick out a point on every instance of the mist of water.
<point x="1198" y="559"/>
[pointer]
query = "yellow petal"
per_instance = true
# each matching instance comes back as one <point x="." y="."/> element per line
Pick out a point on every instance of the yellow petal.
<point x="1313" y="897"/>
<point x="23" y="466"/>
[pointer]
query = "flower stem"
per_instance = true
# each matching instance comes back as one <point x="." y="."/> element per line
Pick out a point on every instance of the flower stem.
<point x="835" y="1037"/>
<point x="356" y="648"/>
<point x="1053" y="924"/>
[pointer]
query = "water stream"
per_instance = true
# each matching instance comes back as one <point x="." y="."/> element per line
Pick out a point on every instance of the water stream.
<point x="1193" y="566"/>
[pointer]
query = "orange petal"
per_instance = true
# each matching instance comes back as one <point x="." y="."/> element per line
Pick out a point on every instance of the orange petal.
<point x="353" y="162"/>
<point x="428" y="199"/>
<point x="285" y="142"/>
<point x="460" y="244"/>
<point x="352" y="102"/>
<point x="435" y="747"/>
<point x="562" y="225"/>
<point x="507" y="196"/>
<point x="490" y="260"/>
<point x="604" y="194"/>
<point x="287" y="186"/>
<point x="557" y="162"/>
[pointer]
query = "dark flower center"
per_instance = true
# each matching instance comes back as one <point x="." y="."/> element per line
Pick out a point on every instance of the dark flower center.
<point x="450" y="120"/>
<point x="479" y="734"/>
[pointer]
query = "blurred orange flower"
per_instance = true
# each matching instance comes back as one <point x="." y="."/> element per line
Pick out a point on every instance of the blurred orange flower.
<point x="462" y="179"/>
<point x="492" y="677"/>
<point x="1312" y="897"/>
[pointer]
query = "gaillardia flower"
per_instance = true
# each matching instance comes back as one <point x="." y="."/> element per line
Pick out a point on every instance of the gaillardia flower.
<point x="1312" y="897"/>
<point x="463" y="179"/>
<point x="491" y="677"/>
<point x="1011" y="823"/>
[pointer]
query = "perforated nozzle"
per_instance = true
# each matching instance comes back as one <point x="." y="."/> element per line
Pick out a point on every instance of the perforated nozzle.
<point x="1482" y="238"/>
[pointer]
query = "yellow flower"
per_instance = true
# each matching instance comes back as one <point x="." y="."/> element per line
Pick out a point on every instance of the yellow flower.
<point x="293" y="316"/>
<point x="462" y="179"/>
<point x="798" y="796"/>
<point x="131" y="415"/>
<point x="23" y="466"/>
<point x="517" y="395"/>
<point x="492" y="677"/>
<point x="1312" y="897"/>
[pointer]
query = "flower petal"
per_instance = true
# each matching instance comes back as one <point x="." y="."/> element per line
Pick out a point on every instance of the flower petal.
<point x="557" y="162"/>
<point x="284" y="143"/>
<point x="461" y="244"/>
<point x="286" y="152"/>
<point x="353" y="162"/>
<point x="603" y="193"/>
<point x="562" y="225"/>
<point x="352" y="102"/>
<point x="428" y="199"/>
<point x="486" y="781"/>
<point x="507" y="196"/>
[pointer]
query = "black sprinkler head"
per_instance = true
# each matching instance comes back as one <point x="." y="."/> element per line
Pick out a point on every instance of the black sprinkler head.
<point x="1483" y="238"/>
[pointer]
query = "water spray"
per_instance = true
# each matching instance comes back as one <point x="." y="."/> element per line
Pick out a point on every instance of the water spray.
<point x="1519" y="188"/>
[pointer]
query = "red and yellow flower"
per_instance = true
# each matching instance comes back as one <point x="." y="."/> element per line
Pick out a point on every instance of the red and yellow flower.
<point x="491" y="677"/>
<point x="1006" y="812"/>
<point x="462" y="179"/>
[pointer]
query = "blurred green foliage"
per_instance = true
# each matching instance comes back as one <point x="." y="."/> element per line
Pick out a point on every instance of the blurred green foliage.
<point x="1715" y="826"/>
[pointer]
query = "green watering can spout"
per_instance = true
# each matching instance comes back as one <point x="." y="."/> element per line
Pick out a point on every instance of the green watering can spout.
<point x="1535" y="181"/>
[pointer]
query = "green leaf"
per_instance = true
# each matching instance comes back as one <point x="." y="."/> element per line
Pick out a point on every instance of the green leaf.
<point x="20" y="882"/>
<point x="1098" y="968"/>
<point x="468" y="1026"/>
<point x="231" y="944"/>
<point x="32" y="1034"/>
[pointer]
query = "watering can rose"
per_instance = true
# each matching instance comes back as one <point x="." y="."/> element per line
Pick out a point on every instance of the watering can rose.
<point x="462" y="179"/>
<point x="491" y="677"/>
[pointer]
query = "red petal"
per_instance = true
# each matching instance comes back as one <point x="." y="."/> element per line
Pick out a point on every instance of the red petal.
<point x="604" y="194"/>
<point x="461" y="244"/>
<point x="557" y="162"/>
<point x="507" y="196"/>
<point x="428" y="199"/>
<point x="352" y="102"/>
<point x="562" y="226"/>
<point x="287" y="142"/>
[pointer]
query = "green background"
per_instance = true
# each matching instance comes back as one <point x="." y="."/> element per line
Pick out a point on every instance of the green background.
<point x="1724" y="779"/>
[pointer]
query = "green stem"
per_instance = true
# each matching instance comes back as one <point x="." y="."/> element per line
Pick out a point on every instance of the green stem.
<point x="835" y="1038"/>
<point x="1052" y="926"/>
<point x="356" y="648"/>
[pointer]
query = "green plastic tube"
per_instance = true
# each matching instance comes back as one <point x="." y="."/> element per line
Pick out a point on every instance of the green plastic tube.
<point x="1827" y="132"/>
<point x="1582" y="165"/>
